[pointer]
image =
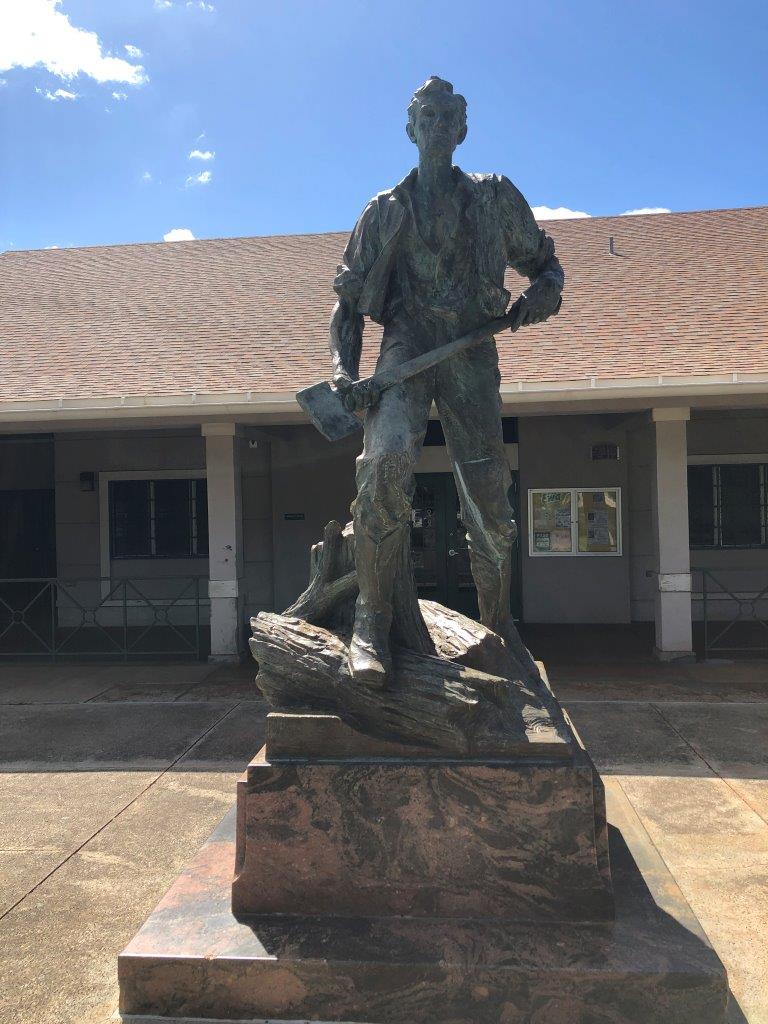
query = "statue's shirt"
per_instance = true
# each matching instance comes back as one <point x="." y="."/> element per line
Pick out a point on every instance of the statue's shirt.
<point x="441" y="283"/>
<point x="389" y="269"/>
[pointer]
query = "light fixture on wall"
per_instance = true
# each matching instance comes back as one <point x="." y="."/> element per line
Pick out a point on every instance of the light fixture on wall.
<point x="87" y="481"/>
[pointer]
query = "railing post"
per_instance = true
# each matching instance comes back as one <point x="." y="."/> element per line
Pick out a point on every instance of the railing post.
<point x="53" y="589"/>
<point x="197" y="617"/>
<point x="704" y="612"/>
<point x="125" y="620"/>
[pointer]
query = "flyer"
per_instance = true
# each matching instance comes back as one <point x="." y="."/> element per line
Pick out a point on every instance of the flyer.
<point x="541" y="541"/>
<point x="598" y="521"/>
<point x="561" y="540"/>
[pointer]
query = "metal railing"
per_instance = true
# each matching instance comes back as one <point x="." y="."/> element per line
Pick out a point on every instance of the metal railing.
<point x="734" y="619"/>
<point x="123" y="618"/>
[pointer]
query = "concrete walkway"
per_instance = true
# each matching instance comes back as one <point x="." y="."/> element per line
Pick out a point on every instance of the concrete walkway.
<point x="112" y="777"/>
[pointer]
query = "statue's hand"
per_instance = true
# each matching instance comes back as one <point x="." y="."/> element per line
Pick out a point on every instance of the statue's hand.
<point x="537" y="303"/>
<point x="343" y="381"/>
<point x="357" y="394"/>
<point x="364" y="395"/>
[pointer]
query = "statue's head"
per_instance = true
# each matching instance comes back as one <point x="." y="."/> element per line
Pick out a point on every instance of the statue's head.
<point x="437" y="117"/>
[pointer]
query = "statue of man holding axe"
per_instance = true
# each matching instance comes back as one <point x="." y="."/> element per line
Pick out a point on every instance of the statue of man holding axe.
<point x="427" y="260"/>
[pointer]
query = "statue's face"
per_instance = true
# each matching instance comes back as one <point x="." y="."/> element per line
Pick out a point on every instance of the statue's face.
<point x="438" y="126"/>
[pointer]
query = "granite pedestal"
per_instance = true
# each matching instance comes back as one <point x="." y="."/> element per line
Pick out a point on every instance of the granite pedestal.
<point x="353" y="829"/>
<point x="382" y="885"/>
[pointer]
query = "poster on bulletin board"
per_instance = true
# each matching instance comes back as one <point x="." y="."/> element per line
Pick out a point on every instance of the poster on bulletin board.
<point x="598" y="521"/>
<point x="552" y="525"/>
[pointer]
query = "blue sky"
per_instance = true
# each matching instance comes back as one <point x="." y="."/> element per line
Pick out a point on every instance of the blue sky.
<point x="297" y="109"/>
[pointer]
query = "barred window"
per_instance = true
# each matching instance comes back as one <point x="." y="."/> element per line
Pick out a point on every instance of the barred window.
<point x="158" y="518"/>
<point x="727" y="505"/>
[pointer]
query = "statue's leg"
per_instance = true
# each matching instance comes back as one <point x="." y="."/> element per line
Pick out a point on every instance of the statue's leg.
<point x="467" y="395"/>
<point x="394" y="431"/>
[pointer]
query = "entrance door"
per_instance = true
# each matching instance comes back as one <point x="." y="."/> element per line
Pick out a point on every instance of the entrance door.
<point x="439" y="545"/>
<point x="27" y="534"/>
<point x="27" y="552"/>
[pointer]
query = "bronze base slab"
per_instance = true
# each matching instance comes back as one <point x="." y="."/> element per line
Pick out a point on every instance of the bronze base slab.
<point x="652" y="965"/>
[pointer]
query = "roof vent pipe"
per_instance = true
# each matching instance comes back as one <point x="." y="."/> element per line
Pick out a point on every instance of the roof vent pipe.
<point x="611" y="250"/>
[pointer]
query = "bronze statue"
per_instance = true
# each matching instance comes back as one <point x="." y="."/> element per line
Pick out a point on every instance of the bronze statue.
<point x="427" y="260"/>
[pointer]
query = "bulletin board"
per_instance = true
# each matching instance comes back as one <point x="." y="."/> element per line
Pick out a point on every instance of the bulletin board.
<point x="574" y="521"/>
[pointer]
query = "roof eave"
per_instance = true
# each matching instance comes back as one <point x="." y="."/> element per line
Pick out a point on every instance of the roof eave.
<point x="255" y="404"/>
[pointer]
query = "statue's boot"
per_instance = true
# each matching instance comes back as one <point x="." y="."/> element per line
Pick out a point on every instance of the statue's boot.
<point x="376" y="560"/>
<point x="370" y="661"/>
<point x="493" y="583"/>
<point x="508" y="632"/>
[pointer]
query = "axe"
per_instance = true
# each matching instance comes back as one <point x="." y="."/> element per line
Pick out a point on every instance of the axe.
<point x="325" y="405"/>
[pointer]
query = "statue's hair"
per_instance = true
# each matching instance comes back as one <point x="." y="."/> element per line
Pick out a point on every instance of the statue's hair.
<point x="432" y="85"/>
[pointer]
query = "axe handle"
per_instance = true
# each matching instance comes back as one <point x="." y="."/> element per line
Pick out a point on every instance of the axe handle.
<point x="389" y="378"/>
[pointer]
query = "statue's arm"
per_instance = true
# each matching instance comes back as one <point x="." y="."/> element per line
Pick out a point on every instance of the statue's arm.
<point x="346" y="342"/>
<point x="531" y="252"/>
<point x="346" y="327"/>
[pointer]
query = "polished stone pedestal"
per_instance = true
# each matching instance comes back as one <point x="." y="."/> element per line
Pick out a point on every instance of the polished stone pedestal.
<point x="194" y="960"/>
<point x="391" y="831"/>
<point x="382" y="884"/>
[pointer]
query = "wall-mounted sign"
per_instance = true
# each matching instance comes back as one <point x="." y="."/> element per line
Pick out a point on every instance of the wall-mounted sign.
<point x="294" y="516"/>
<point x="574" y="521"/>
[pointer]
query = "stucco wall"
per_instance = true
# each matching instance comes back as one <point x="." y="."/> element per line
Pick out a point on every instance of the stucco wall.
<point x="78" y="546"/>
<point x="311" y="478"/>
<point x="555" y="452"/>
<point x="257" y="527"/>
<point x="79" y="537"/>
<point x="81" y="548"/>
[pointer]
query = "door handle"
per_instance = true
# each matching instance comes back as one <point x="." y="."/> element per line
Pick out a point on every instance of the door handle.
<point x="452" y="553"/>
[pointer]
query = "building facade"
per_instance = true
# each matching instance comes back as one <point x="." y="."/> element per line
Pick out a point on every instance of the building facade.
<point x="158" y="480"/>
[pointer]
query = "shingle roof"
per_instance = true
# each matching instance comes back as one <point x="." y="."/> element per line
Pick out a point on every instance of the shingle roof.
<point x="686" y="294"/>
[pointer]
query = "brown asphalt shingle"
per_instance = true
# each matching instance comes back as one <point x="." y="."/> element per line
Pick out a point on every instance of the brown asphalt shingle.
<point x="687" y="294"/>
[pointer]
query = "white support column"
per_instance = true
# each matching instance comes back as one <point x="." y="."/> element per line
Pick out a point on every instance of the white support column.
<point x="225" y="540"/>
<point x="674" y="639"/>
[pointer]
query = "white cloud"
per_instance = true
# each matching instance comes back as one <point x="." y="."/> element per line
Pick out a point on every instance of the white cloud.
<point x="59" y="94"/>
<point x="3" y="81"/>
<point x="645" y="209"/>
<point x="178" y="235"/>
<point x="200" y="5"/>
<point x="202" y="154"/>
<point x="146" y="176"/>
<point x="35" y="32"/>
<point x="119" y="96"/>
<point x="199" y="179"/>
<point x="557" y="213"/>
<point x="50" y="247"/>
<point x="133" y="51"/>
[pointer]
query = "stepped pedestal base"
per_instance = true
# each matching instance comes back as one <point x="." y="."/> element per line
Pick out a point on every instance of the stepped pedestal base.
<point x="651" y="965"/>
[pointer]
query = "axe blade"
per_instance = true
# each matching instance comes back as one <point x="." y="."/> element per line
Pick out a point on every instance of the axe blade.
<point x="325" y="407"/>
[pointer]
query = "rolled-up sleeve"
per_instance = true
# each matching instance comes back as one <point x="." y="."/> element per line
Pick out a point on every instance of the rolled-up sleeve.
<point x="530" y="250"/>
<point x="359" y="256"/>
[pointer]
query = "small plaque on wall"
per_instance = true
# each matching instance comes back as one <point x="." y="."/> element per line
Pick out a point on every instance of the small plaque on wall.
<point x="294" y="517"/>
